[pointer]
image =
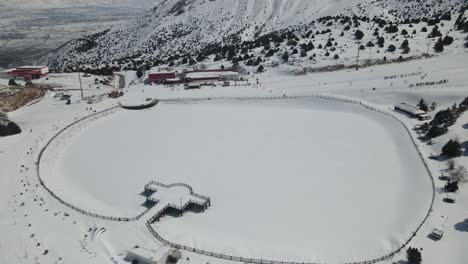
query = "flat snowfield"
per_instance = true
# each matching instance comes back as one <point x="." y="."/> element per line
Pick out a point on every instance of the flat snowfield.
<point x="299" y="180"/>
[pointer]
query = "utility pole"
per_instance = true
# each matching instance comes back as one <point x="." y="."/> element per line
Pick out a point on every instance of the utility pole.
<point x="81" y="86"/>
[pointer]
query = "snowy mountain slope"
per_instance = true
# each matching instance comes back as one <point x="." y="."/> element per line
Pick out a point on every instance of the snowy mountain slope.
<point x="186" y="26"/>
<point x="45" y="4"/>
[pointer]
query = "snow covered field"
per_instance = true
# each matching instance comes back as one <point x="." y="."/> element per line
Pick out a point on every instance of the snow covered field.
<point x="31" y="221"/>
<point x="278" y="173"/>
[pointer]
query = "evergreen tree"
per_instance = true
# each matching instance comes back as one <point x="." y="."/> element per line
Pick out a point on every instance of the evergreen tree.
<point x="391" y="48"/>
<point x="139" y="74"/>
<point x="423" y="105"/>
<point x="447" y="40"/>
<point x="200" y="57"/>
<point x="380" y="42"/>
<point x="260" y="68"/>
<point x="358" y="34"/>
<point x="452" y="149"/>
<point x="439" y="46"/>
<point x="404" y="44"/>
<point x="285" y="56"/>
<point x="413" y="255"/>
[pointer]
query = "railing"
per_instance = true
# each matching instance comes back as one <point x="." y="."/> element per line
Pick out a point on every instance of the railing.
<point x="224" y="256"/>
<point x="327" y="97"/>
<point x="67" y="204"/>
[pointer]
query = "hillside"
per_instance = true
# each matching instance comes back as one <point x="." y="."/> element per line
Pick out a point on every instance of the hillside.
<point x="176" y="31"/>
<point x="46" y="4"/>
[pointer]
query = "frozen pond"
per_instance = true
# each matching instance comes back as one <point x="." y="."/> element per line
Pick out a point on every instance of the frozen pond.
<point x="307" y="180"/>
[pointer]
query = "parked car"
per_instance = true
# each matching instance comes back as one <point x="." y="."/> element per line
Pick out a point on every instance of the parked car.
<point x="437" y="234"/>
<point x="450" y="198"/>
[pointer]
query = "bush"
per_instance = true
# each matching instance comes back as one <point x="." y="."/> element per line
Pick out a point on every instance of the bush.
<point x="452" y="149"/>
<point x="391" y="48"/>
<point x="260" y="68"/>
<point x="336" y="57"/>
<point x="413" y="255"/>
<point x="12" y="82"/>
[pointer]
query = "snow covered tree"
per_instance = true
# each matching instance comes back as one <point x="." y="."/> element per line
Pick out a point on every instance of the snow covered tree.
<point x="422" y="105"/>
<point x="452" y="149"/>
<point x="413" y="255"/>
<point x="459" y="175"/>
<point x="451" y="165"/>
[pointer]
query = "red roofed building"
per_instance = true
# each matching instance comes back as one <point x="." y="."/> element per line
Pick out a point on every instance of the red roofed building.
<point x="30" y="72"/>
<point x="162" y="77"/>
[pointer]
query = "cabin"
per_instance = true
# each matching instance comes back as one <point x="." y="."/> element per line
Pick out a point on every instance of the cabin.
<point x="410" y="110"/>
<point x="163" y="77"/>
<point x="30" y="72"/>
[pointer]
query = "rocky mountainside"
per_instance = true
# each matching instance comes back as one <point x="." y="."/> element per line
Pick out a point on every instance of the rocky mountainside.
<point x="177" y="31"/>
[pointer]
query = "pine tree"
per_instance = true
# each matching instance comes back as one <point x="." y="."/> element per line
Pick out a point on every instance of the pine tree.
<point x="285" y="56"/>
<point x="260" y="68"/>
<point x="413" y="255"/>
<point x="439" y="46"/>
<point x="452" y="149"/>
<point x="422" y="105"/>
<point x="358" y="34"/>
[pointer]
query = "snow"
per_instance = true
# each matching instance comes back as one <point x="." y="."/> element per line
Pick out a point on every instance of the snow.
<point x="298" y="128"/>
<point x="269" y="151"/>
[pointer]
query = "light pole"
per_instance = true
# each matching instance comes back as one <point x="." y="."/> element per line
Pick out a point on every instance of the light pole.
<point x="357" y="57"/>
<point x="81" y="86"/>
